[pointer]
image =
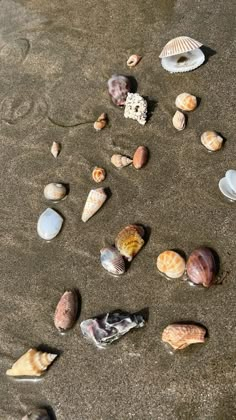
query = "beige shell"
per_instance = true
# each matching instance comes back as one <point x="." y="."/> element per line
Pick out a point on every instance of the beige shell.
<point x="133" y="60"/>
<point x="32" y="363"/>
<point x="94" y="202"/>
<point x="54" y="191"/>
<point x="171" y="264"/>
<point x="186" y="102"/>
<point x="180" y="336"/>
<point x="179" y="45"/>
<point x="55" y="149"/>
<point x="101" y="122"/>
<point x="129" y="241"/>
<point x="98" y="174"/>
<point x="179" y="120"/>
<point x="120" y="161"/>
<point x="212" y="141"/>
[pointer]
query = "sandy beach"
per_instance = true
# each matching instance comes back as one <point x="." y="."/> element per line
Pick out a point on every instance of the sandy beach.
<point x="55" y="60"/>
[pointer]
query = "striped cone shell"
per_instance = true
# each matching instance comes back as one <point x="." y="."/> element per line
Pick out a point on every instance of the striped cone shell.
<point x="32" y="363"/>
<point x="180" y="336"/>
<point x="179" y="45"/>
<point x="112" y="261"/>
<point x="171" y="264"/>
<point x="129" y="241"/>
<point x="201" y="267"/>
<point x="66" y="311"/>
<point x="120" y="161"/>
<point x="94" y="202"/>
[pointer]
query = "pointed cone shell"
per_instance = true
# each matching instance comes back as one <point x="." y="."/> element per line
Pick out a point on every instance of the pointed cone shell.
<point x="37" y="414"/>
<point x="133" y="60"/>
<point x="95" y="200"/>
<point x="112" y="261"/>
<point x="179" y="45"/>
<point x="129" y="241"/>
<point x="120" y="161"/>
<point x="201" y="267"/>
<point x="55" y="149"/>
<point x="171" y="264"/>
<point x="32" y="363"/>
<point x="186" y="102"/>
<point x="66" y="311"/>
<point x="180" y="336"/>
<point x="140" y="157"/>
<point x="212" y="141"/>
<point x="179" y="121"/>
<point x="98" y="174"/>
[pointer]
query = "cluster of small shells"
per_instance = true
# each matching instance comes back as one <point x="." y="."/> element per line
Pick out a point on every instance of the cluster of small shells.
<point x="139" y="160"/>
<point x="185" y="102"/>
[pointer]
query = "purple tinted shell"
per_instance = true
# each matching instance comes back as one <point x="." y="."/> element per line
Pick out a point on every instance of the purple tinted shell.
<point x="118" y="88"/>
<point x="201" y="267"/>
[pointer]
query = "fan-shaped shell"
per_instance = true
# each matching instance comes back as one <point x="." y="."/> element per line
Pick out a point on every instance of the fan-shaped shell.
<point x="55" y="149"/>
<point x="112" y="261"/>
<point x="186" y="102"/>
<point x="120" y="161"/>
<point x="54" y="191"/>
<point x="179" y="121"/>
<point x="37" y="414"/>
<point x="98" y="174"/>
<point x="180" y="336"/>
<point x="66" y="311"/>
<point x="129" y="241"/>
<point x="94" y="202"/>
<point x="201" y="267"/>
<point x="212" y="141"/>
<point x="140" y="157"/>
<point x="179" y="45"/>
<point x="32" y="363"/>
<point x="171" y="264"/>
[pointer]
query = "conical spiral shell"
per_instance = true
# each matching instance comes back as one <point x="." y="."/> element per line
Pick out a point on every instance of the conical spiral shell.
<point x="98" y="174"/>
<point x="179" y="45"/>
<point x="179" y="121"/>
<point x="186" y="102"/>
<point x="171" y="264"/>
<point x="55" y="149"/>
<point x="101" y="122"/>
<point x="120" y="161"/>
<point x="66" y="311"/>
<point x="180" y="336"/>
<point x="212" y="141"/>
<point x="37" y="414"/>
<point x="94" y="202"/>
<point x="32" y="363"/>
<point x="129" y="241"/>
<point x="133" y="60"/>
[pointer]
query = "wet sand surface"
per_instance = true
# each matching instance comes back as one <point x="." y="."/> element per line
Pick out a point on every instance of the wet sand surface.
<point x="55" y="60"/>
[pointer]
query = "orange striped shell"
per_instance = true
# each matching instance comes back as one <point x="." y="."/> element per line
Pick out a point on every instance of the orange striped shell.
<point x="171" y="264"/>
<point x="129" y="241"/>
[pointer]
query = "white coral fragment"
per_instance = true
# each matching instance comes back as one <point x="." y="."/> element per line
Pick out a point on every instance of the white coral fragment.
<point x="136" y="108"/>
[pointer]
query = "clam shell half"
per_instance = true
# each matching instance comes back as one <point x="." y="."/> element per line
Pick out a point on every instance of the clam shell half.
<point x="179" y="45"/>
<point x="183" y="62"/>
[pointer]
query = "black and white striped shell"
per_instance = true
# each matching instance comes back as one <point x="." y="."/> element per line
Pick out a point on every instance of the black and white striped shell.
<point x="112" y="261"/>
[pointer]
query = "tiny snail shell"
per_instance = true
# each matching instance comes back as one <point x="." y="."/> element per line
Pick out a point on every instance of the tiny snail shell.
<point x="180" y="336"/>
<point x="186" y="102"/>
<point x="98" y="174"/>
<point x="101" y="122"/>
<point x="112" y="261"/>
<point x="133" y="60"/>
<point x="201" y="267"/>
<point x="55" y="149"/>
<point x="171" y="264"/>
<point x="179" y="120"/>
<point x="54" y="191"/>
<point x="212" y="141"/>
<point x="120" y="161"/>
<point x="140" y="157"/>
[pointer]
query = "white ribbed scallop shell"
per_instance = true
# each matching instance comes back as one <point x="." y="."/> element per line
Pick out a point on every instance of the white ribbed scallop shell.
<point x="179" y="45"/>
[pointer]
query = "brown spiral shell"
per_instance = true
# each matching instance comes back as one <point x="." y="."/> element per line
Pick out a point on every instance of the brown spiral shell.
<point x="98" y="174"/>
<point x="201" y="267"/>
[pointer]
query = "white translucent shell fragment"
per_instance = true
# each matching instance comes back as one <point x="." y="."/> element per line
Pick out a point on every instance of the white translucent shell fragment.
<point x="183" y="62"/>
<point x="231" y="179"/>
<point x="226" y="189"/>
<point x="136" y="108"/>
<point x="49" y="224"/>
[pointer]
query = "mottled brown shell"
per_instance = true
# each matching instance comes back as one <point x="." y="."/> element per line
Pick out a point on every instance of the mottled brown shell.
<point x="140" y="157"/>
<point x="201" y="267"/>
<point x="66" y="311"/>
<point x="120" y="161"/>
<point x="180" y="336"/>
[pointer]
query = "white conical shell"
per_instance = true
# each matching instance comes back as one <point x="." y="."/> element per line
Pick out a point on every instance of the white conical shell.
<point x="179" y="121"/>
<point x="120" y="161"/>
<point x="94" y="202"/>
<point x="55" y="149"/>
<point x="179" y="45"/>
<point x="231" y="179"/>
<point x="183" y="62"/>
<point x="32" y="363"/>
